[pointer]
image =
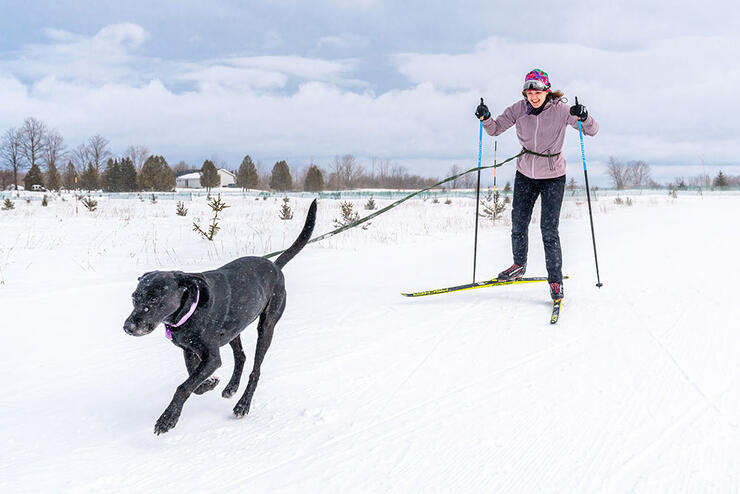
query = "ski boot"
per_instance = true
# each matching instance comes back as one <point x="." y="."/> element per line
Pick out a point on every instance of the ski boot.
<point x="556" y="290"/>
<point x="515" y="272"/>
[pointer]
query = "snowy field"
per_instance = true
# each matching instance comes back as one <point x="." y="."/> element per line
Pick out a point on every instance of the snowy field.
<point x="636" y="389"/>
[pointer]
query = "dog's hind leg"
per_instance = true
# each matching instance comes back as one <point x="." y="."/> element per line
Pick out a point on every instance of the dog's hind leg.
<point x="239" y="360"/>
<point x="191" y="362"/>
<point x="265" y="329"/>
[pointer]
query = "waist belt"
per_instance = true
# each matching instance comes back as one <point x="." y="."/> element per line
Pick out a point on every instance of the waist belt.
<point x="544" y="155"/>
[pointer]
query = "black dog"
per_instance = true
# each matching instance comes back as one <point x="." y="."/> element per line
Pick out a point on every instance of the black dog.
<point x="204" y="311"/>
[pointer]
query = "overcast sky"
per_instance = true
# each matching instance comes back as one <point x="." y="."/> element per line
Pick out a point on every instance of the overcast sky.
<point x="296" y="80"/>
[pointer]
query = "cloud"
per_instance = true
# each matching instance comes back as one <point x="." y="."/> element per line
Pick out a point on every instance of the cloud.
<point x="107" y="56"/>
<point x="657" y="101"/>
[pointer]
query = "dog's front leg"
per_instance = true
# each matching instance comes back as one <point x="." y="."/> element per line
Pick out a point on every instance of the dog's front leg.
<point x="210" y="361"/>
<point x="191" y="362"/>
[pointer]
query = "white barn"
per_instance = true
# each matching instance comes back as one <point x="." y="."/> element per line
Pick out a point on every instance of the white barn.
<point x="192" y="180"/>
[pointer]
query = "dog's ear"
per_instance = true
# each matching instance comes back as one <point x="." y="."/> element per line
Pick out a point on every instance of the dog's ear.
<point x="146" y="274"/>
<point x="193" y="281"/>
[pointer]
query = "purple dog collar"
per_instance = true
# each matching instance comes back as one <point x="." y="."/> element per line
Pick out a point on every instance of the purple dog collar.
<point x="168" y="327"/>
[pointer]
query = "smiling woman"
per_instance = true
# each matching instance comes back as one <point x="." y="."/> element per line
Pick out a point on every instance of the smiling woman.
<point x="541" y="120"/>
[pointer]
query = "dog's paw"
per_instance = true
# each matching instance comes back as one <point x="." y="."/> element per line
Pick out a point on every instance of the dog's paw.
<point x="230" y="390"/>
<point x="241" y="409"/>
<point x="167" y="421"/>
<point x="206" y="385"/>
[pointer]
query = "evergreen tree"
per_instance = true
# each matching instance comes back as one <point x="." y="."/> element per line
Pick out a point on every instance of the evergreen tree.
<point x="314" y="179"/>
<point x="128" y="175"/>
<point x="155" y="175"/>
<point x="209" y="176"/>
<point x="167" y="181"/>
<point x="280" y="178"/>
<point x="89" y="180"/>
<point x="53" y="178"/>
<point x="111" y="179"/>
<point x="719" y="181"/>
<point x="33" y="177"/>
<point x="247" y="176"/>
<point x="68" y="179"/>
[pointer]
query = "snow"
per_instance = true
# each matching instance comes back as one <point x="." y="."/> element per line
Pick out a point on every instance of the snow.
<point x="636" y="389"/>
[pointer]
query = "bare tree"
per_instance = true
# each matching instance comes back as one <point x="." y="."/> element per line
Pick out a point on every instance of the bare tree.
<point x="11" y="152"/>
<point x="398" y="175"/>
<point x="99" y="150"/>
<point x="702" y="180"/>
<point x="33" y="137"/>
<point x="467" y="181"/>
<point x="138" y="155"/>
<point x="180" y="167"/>
<point x="617" y="173"/>
<point x="54" y="149"/>
<point x="81" y="156"/>
<point x="455" y="182"/>
<point x="638" y="173"/>
<point x="345" y="172"/>
<point x="384" y="173"/>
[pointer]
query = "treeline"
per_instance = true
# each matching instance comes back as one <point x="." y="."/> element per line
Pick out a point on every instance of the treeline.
<point x="38" y="155"/>
<point x="636" y="174"/>
<point x="633" y="174"/>
<point x="704" y="181"/>
<point x="342" y="173"/>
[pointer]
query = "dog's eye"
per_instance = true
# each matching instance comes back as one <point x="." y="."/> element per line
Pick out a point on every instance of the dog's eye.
<point x="146" y="309"/>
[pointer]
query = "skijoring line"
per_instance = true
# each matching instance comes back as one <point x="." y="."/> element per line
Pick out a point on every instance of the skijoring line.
<point x="404" y="199"/>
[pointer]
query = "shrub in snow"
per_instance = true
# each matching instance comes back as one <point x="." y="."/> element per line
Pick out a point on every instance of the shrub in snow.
<point x="370" y="204"/>
<point x="285" y="212"/>
<point x="181" y="210"/>
<point x="492" y="205"/>
<point x="8" y="205"/>
<point x="217" y="205"/>
<point x="90" y="203"/>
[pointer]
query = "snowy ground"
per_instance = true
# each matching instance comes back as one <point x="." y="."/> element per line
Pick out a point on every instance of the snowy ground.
<point x="637" y="389"/>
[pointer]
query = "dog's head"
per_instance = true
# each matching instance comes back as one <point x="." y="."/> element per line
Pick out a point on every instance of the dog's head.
<point x="159" y="295"/>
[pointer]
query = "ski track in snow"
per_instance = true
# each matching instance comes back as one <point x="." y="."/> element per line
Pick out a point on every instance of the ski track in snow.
<point x="636" y="389"/>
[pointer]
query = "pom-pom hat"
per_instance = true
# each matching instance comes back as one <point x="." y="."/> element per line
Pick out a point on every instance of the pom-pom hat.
<point x="537" y="80"/>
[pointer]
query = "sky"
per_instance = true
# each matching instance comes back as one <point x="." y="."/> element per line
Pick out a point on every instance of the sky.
<point x="302" y="81"/>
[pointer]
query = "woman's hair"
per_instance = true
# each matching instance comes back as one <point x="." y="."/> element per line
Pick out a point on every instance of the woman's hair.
<point x="551" y="96"/>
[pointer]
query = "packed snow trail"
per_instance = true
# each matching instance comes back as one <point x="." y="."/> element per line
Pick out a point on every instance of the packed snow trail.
<point x="636" y="389"/>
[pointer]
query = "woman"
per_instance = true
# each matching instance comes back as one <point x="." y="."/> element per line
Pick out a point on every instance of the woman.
<point x="541" y="119"/>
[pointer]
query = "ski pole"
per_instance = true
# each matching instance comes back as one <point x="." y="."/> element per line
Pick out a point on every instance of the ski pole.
<point x="588" y="197"/>
<point x="495" y="148"/>
<point x="477" y="193"/>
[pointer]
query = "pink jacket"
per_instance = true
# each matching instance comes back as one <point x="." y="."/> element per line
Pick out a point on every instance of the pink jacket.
<point x="543" y="133"/>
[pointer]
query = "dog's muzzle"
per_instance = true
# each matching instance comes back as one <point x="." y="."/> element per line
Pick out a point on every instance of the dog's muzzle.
<point x="137" y="328"/>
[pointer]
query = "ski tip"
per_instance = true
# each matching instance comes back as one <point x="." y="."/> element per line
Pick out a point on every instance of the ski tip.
<point x="556" y="304"/>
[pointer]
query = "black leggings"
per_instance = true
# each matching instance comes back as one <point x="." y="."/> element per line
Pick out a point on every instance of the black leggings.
<point x="526" y="191"/>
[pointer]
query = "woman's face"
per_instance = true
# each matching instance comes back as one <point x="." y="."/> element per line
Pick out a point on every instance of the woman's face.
<point x="536" y="98"/>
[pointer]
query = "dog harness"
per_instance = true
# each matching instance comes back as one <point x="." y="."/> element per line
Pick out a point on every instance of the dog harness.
<point x="168" y="327"/>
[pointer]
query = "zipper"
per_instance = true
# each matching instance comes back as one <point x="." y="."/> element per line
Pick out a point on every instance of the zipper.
<point x="536" y="128"/>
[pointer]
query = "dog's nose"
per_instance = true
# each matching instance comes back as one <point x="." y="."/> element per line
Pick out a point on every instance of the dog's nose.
<point x="129" y="326"/>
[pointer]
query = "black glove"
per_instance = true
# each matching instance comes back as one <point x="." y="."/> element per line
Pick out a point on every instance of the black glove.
<point x="579" y="111"/>
<point x="482" y="111"/>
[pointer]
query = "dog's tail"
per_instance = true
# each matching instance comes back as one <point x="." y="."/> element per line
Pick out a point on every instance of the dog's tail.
<point x="302" y="239"/>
